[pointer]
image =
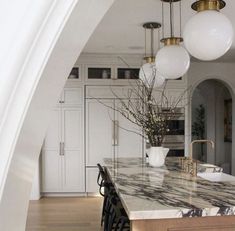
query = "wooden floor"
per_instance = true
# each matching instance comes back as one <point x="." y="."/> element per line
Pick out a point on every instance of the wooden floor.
<point x="65" y="214"/>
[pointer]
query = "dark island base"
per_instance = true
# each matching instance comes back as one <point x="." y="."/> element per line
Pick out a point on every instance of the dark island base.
<point x="219" y="223"/>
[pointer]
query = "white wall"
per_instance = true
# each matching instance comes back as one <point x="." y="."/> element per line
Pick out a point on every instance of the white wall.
<point x="40" y="43"/>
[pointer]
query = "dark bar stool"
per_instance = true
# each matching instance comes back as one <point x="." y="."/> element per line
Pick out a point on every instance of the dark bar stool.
<point x="113" y="216"/>
<point x="106" y="189"/>
<point x="117" y="217"/>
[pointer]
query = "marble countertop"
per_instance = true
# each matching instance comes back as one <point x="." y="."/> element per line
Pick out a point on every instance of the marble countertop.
<point x="158" y="193"/>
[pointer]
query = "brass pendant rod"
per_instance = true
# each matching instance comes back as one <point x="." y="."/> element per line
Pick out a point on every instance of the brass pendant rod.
<point x="171" y="19"/>
<point x="145" y="38"/>
<point x="180" y="6"/>
<point x="163" y="21"/>
<point x="150" y="58"/>
<point x="152" y="38"/>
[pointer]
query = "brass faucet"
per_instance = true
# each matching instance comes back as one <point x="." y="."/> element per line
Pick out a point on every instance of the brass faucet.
<point x="188" y="163"/>
<point x="199" y="141"/>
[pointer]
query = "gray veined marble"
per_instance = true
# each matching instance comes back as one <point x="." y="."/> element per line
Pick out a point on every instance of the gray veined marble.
<point x="156" y="193"/>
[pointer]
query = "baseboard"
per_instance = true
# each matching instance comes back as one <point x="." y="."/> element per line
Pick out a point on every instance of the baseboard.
<point x="63" y="194"/>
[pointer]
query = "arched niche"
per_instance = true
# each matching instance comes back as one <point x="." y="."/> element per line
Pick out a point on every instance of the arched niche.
<point x="217" y="97"/>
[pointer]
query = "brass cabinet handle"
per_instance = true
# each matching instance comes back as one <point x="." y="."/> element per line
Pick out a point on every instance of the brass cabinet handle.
<point x="115" y="132"/>
<point x="116" y="123"/>
<point x="61" y="148"/>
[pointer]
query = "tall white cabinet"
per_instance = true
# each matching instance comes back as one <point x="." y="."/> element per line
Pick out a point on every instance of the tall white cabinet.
<point x="108" y="135"/>
<point x="62" y="153"/>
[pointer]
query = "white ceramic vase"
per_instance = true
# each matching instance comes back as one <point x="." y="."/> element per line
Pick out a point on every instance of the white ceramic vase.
<point x="157" y="156"/>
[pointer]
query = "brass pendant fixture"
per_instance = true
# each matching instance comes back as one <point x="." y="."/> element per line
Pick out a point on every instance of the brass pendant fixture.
<point x="209" y="29"/>
<point x="172" y="41"/>
<point x="150" y="53"/>
<point x="148" y="73"/>
<point x="172" y="61"/>
<point x="203" y="5"/>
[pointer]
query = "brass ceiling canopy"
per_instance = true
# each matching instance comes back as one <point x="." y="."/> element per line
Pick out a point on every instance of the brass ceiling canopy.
<point x="202" y="5"/>
<point x="172" y="41"/>
<point x="152" y="25"/>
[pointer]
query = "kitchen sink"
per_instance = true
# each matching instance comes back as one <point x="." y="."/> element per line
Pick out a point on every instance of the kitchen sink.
<point x="216" y="177"/>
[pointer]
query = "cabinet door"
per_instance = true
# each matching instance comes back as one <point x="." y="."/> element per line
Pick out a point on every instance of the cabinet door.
<point x="53" y="135"/>
<point x="72" y="131"/>
<point x="73" y="171"/>
<point x="72" y="96"/>
<point x="129" y="139"/>
<point x="51" y="159"/>
<point x="99" y="131"/>
<point x="73" y="157"/>
<point x="51" y="171"/>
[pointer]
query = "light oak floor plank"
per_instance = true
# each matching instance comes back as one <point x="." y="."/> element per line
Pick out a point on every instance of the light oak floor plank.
<point x="65" y="214"/>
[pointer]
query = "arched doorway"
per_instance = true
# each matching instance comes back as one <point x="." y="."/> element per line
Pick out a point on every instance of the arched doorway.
<point x="212" y="119"/>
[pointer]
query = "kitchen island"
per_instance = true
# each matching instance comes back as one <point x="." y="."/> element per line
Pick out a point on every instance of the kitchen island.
<point x="167" y="199"/>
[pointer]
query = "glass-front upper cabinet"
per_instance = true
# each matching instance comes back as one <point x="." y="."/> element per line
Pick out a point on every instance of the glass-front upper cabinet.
<point x="111" y="73"/>
<point x="99" y="73"/>
<point x="128" y="73"/>
<point x="74" y="74"/>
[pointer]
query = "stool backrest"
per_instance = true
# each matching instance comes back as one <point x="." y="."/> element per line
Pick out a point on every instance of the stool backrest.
<point x="102" y="179"/>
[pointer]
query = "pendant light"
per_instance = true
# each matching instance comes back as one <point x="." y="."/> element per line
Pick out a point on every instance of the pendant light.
<point x="172" y="61"/>
<point x="150" y="76"/>
<point x="208" y="34"/>
<point x="148" y="72"/>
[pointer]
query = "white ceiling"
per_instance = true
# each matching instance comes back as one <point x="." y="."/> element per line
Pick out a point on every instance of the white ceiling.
<point x="121" y="29"/>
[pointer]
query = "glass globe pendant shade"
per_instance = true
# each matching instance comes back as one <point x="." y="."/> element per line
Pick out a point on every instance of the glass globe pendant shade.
<point x="208" y="35"/>
<point x="146" y="73"/>
<point x="172" y="61"/>
<point x="159" y="80"/>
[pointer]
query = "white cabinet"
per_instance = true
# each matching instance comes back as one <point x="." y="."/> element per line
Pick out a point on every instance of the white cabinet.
<point x="108" y="135"/>
<point x="73" y="157"/>
<point x="71" y="96"/>
<point x="99" y="131"/>
<point x="62" y="153"/>
<point x="129" y="139"/>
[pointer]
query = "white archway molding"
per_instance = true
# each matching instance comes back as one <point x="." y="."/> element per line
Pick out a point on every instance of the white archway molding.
<point x="20" y="74"/>
<point x="223" y="72"/>
<point x="52" y="34"/>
